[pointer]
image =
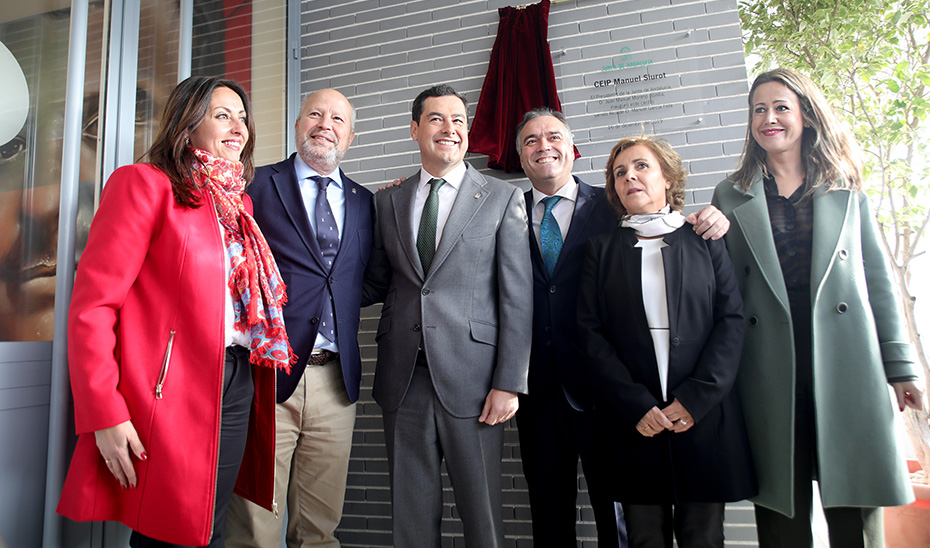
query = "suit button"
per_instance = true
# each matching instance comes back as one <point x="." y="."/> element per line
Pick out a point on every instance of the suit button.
<point x="746" y="270"/>
<point x="551" y="289"/>
<point x="425" y="291"/>
<point x="315" y="321"/>
<point x="675" y="342"/>
<point x="416" y="327"/>
<point x="548" y="329"/>
<point x="843" y="254"/>
<point x="753" y="321"/>
<point x="332" y="280"/>
<point x="842" y="307"/>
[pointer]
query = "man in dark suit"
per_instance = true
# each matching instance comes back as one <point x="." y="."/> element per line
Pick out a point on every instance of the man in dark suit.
<point x="318" y="223"/>
<point x="451" y="263"/>
<point x="551" y="425"/>
<point x="564" y="213"/>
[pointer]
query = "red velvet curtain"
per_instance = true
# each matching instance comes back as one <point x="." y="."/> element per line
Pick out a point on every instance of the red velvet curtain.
<point x="520" y="78"/>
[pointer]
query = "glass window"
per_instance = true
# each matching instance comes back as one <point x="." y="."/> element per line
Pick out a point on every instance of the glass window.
<point x="244" y="40"/>
<point x="30" y="174"/>
<point x="159" y="31"/>
<point x="239" y="39"/>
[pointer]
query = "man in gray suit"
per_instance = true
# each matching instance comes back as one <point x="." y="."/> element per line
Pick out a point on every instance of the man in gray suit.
<point x="451" y="263"/>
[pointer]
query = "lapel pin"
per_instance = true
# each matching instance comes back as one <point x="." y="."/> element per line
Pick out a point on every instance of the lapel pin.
<point x="353" y="191"/>
<point x="477" y="195"/>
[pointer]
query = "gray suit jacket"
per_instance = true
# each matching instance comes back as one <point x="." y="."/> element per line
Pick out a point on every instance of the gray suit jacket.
<point x="473" y="310"/>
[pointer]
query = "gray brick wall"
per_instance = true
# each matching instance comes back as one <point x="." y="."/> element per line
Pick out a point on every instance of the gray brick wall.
<point x="381" y="53"/>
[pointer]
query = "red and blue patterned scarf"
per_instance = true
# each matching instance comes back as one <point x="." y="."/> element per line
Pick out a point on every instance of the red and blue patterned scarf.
<point x="258" y="291"/>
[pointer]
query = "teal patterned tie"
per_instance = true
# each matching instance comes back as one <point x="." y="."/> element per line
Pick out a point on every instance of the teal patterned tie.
<point x="426" y="235"/>
<point x="550" y="235"/>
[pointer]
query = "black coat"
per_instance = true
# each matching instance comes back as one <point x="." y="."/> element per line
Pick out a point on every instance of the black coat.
<point x="711" y="461"/>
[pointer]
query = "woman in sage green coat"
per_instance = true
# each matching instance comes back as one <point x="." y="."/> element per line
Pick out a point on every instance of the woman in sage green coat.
<point x="825" y="334"/>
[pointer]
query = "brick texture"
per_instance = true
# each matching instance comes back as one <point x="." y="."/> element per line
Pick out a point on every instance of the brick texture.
<point x="381" y="53"/>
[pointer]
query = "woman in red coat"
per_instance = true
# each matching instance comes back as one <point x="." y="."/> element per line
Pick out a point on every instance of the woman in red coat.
<point x="175" y="330"/>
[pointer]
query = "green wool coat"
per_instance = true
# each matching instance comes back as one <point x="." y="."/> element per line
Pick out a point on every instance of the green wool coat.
<point x="859" y="341"/>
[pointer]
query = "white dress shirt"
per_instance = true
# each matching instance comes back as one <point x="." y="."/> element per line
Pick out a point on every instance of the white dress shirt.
<point x="447" y="194"/>
<point x="562" y="210"/>
<point x="655" y="301"/>
<point x="231" y="334"/>
<point x="335" y="193"/>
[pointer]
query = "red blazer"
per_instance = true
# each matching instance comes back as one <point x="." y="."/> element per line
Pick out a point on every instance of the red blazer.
<point x="147" y="309"/>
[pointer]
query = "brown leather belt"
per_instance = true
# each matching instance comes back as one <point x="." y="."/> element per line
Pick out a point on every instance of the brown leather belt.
<point x="320" y="357"/>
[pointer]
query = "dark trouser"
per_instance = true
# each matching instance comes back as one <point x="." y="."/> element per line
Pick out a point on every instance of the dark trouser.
<point x="695" y="524"/>
<point x="849" y="527"/>
<point x="552" y="436"/>
<point x="237" y="404"/>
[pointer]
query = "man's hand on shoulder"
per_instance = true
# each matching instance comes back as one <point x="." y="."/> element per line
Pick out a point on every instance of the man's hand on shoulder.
<point x="396" y="182"/>
<point x="709" y="223"/>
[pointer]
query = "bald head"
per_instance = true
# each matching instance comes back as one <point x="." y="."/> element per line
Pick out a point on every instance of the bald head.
<point x="324" y="130"/>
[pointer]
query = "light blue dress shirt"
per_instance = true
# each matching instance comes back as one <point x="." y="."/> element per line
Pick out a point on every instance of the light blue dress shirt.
<point x="335" y="194"/>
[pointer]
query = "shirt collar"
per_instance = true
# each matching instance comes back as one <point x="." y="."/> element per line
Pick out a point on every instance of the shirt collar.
<point x="768" y="183"/>
<point x="454" y="177"/>
<point x="304" y="171"/>
<point x="569" y="191"/>
<point x="771" y="190"/>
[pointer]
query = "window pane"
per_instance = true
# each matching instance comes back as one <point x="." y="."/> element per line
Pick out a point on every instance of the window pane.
<point x="159" y="30"/>
<point x="245" y="41"/>
<point x="30" y="176"/>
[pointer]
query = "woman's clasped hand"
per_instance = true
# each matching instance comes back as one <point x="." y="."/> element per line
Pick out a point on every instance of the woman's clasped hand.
<point x="674" y="418"/>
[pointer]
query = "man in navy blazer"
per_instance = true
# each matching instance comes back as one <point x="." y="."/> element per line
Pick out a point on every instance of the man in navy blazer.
<point x="551" y="423"/>
<point x="318" y="223"/>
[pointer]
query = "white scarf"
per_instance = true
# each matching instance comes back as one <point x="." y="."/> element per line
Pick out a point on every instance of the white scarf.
<point x="650" y="225"/>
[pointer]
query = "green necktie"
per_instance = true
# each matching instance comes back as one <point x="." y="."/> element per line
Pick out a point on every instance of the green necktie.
<point x="426" y="236"/>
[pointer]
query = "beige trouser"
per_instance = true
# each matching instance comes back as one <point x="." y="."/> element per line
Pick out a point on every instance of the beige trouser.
<point x="313" y="441"/>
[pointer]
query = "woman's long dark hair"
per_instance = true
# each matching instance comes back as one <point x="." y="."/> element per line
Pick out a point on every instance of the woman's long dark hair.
<point x="186" y="109"/>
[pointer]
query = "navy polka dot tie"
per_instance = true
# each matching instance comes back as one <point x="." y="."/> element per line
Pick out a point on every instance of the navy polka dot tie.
<point x="327" y="235"/>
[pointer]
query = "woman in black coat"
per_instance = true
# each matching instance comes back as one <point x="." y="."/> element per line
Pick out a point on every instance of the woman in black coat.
<point x="661" y="321"/>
